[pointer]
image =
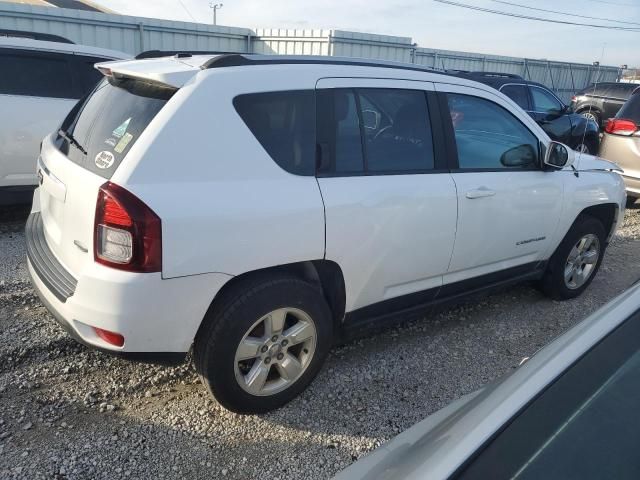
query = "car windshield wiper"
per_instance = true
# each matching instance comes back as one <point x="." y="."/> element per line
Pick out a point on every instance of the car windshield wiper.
<point x="69" y="137"/>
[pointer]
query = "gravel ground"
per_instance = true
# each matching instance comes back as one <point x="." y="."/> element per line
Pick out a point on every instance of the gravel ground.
<point x="67" y="412"/>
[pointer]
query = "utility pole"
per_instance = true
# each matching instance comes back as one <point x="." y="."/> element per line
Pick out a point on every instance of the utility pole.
<point x="215" y="7"/>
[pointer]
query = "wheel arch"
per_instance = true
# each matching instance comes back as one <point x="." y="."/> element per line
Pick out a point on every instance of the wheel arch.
<point x="325" y="274"/>
<point x="606" y="213"/>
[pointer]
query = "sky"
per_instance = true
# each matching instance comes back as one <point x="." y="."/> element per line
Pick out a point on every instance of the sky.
<point x="432" y="24"/>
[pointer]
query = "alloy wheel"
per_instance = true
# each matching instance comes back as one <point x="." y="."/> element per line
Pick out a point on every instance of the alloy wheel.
<point x="275" y="351"/>
<point x="582" y="261"/>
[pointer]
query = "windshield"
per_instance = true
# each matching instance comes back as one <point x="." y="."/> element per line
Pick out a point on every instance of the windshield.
<point x="102" y="127"/>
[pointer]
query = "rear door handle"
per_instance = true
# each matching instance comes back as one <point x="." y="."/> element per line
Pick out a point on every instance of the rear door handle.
<point x="480" y="193"/>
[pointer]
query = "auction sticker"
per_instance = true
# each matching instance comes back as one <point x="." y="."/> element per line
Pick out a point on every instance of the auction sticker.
<point x="104" y="159"/>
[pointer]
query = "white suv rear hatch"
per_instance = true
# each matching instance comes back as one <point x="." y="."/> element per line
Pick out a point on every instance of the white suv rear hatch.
<point x="84" y="154"/>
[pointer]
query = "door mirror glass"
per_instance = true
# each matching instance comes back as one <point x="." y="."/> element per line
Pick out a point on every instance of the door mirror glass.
<point x="520" y="156"/>
<point x="558" y="155"/>
<point x="371" y="119"/>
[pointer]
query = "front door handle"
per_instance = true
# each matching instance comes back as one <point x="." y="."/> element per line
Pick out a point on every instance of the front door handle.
<point x="480" y="193"/>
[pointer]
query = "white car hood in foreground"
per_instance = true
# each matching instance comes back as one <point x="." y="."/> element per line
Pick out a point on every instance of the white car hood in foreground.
<point x="436" y="447"/>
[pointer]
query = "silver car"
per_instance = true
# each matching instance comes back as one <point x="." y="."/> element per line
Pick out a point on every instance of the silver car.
<point x="570" y="412"/>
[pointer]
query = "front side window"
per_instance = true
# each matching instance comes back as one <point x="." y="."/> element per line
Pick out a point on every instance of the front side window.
<point x="35" y="75"/>
<point x="519" y="94"/>
<point x="284" y="124"/>
<point x="489" y="137"/>
<point x="374" y="130"/>
<point x="544" y="101"/>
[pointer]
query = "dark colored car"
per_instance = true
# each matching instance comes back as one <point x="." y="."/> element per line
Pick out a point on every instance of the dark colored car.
<point x="555" y="118"/>
<point x="602" y="101"/>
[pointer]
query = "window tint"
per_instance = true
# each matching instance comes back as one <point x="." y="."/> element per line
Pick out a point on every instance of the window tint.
<point x="517" y="93"/>
<point x="374" y="131"/>
<point x="284" y="124"/>
<point x="544" y="101"/>
<point x="631" y="109"/>
<point x="396" y="130"/>
<point x="583" y="426"/>
<point x="35" y="75"/>
<point x="109" y="122"/>
<point x="489" y="137"/>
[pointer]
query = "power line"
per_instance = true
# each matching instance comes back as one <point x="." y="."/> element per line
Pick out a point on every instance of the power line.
<point x="564" y="13"/>
<point x="615" y="3"/>
<point x="187" y="10"/>
<point x="539" y="19"/>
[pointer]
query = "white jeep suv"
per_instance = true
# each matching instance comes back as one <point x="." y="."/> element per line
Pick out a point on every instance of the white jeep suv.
<point x="40" y="81"/>
<point x="259" y="208"/>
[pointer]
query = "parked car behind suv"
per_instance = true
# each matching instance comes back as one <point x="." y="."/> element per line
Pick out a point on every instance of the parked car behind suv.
<point x="601" y="101"/>
<point x="41" y="80"/>
<point x="621" y="144"/>
<point x="555" y="118"/>
<point x="259" y="208"/>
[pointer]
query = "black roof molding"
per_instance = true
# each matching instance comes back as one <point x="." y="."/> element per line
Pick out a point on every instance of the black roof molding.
<point x="176" y="53"/>
<point x="240" y="60"/>
<point x="463" y="73"/>
<point x="47" y="37"/>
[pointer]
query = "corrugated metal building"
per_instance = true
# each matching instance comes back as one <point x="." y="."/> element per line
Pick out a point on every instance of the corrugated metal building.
<point x="136" y="34"/>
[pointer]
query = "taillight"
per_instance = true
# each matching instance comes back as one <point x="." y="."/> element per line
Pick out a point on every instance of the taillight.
<point x="127" y="233"/>
<point x="574" y="99"/>
<point x="620" y="126"/>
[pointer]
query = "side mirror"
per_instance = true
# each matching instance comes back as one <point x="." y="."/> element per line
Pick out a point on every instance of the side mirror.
<point x="558" y="155"/>
<point x="371" y="119"/>
<point x="519" y="156"/>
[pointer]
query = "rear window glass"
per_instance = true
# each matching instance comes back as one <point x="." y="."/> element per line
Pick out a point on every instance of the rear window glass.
<point x="631" y="109"/>
<point x="102" y="128"/>
<point x="36" y="76"/>
<point x="284" y="124"/>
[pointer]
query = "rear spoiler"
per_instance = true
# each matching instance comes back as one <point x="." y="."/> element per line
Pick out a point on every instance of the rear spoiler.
<point x="165" y="72"/>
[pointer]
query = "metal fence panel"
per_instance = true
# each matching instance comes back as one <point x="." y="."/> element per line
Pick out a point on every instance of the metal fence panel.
<point x="135" y="34"/>
<point x="121" y="32"/>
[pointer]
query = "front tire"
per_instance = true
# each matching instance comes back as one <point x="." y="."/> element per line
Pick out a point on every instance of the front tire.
<point x="264" y="343"/>
<point x="630" y="201"/>
<point x="576" y="260"/>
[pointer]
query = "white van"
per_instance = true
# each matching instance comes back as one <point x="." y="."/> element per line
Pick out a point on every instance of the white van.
<point x="40" y="81"/>
<point x="258" y="208"/>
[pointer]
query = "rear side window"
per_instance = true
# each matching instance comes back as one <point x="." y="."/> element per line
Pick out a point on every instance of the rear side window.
<point x="631" y="109"/>
<point x="519" y="94"/>
<point x="35" y="75"/>
<point x="284" y="124"/>
<point x="373" y="130"/>
<point x="99" y="131"/>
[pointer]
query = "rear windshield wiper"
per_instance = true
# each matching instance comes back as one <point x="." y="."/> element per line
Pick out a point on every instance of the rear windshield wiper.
<point x="69" y="138"/>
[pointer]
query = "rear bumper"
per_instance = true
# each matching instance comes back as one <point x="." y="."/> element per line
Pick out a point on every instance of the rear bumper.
<point x="158" y="318"/>
<point x="632" y="185"/>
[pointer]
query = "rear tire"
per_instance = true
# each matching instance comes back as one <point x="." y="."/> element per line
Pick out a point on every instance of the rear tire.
<point x="263" y="316"/>
<point x="631" y="201"/>
<point x="576" y="261"/>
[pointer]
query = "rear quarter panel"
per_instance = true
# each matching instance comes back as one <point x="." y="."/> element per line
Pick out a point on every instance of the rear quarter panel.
<point x="225" y="205"/>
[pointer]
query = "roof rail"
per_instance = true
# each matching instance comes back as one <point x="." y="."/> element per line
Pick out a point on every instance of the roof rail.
<point x="237" y="60"/>
<point x="178" y="53"/>
<point x="489" y="74"/>
<point x="47" y="37"/>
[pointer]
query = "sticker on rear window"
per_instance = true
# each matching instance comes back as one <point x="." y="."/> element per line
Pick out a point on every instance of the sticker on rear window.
<point x="120" y="131"/>
<point x="122" y="144"/>
<point x="111" y="142"/>
<point x="104" y="159"/>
